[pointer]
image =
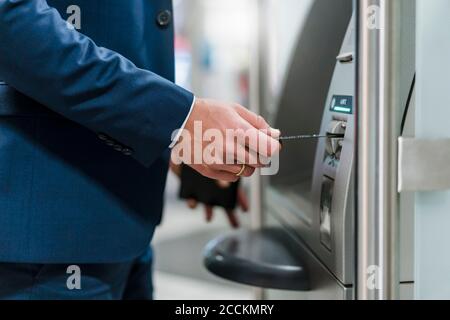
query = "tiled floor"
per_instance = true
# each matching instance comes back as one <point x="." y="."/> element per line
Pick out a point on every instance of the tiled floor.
<point x="171" y="286"/>
<point x="178" y="245"/>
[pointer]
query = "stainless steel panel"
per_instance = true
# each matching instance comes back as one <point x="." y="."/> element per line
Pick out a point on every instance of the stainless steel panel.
<point x="324" y="285"/>
<point x="299" y="108"/>
<point x="294" y="195"/>
<point x="295" y="192"/>
<point x="381" y="70"/>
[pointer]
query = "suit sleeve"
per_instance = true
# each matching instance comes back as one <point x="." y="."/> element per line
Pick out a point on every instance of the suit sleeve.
<point x="96" y="87"/>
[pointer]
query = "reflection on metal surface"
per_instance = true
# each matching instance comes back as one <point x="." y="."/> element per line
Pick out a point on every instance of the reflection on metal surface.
<point x="326" y="210"/>
<point x="385" y="67"/>
<point x="313" y="191"/>
<point x="304" y="89"/>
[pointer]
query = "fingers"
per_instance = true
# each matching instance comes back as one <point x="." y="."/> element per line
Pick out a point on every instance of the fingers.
<point x="239" y="137"/>
<point x="215" y="174"/>
<point x="267" y="146"/>
<point x="223" y="184"/>
<point x="257" y="121"/>
<point x="209" y="213"/>
<point x="242" y="200"/>
<point x="252" y="118"/>
<point x="235" y="169"/>
<point x="248" y="170"/>
<point x="192" y="203"/>
<point x="176" y="169"/>
<point x="231" y="216"/>
<point x="243" y="155"/>
<point x="252" y="144"/>
<point x="232" y="219"/>
<point x="264" y="140"/>
<point x="226" y="173"/>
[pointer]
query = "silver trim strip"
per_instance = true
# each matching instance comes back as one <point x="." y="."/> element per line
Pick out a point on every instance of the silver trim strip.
<point x="377" y="275"/>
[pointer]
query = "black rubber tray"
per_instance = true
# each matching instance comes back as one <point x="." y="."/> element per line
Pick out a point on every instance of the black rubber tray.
<point x="257" y="258"/>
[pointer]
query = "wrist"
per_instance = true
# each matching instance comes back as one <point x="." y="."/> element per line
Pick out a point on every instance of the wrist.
<point x="198" y="113"/>
<point x="178" y="133"/>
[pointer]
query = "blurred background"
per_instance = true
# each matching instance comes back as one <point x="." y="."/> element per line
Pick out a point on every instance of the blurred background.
<point x="213" y="56"/>
<point x="217" y="55"/>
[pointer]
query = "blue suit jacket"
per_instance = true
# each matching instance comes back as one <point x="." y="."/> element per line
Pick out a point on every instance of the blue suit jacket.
<point x="86" y="119"/>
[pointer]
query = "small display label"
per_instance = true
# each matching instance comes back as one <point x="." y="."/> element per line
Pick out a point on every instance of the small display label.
<point x="342" y="104"/>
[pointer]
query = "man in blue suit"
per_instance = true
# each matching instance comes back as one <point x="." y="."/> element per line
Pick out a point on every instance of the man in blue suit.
<point x="87" y="114"/>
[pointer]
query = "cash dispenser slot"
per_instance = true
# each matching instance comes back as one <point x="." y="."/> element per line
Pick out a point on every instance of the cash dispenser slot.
<point x="263" y="258"/>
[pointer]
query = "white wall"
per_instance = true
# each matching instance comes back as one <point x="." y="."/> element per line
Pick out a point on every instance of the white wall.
<point x="285" y="19"/>
<point x="432" y="121"/>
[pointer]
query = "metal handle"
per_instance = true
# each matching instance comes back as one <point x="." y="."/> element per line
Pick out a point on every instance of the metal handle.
<point x="377" y="275"/>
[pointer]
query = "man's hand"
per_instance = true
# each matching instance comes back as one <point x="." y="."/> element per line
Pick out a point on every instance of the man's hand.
<point x="209" y="210"/>
<point x="231" y="214"/>
<point x="247" y="140"/>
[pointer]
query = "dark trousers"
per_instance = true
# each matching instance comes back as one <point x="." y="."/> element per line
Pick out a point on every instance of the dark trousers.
<point x="119" y="281"/>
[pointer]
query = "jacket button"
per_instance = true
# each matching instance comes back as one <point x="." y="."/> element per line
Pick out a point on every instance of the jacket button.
<point x="102" y="136"/>
<point x="118" y="147"/>
<point x="110" y="143"/>
<point x="164" y="18"/>
<point x="127" y="152"/>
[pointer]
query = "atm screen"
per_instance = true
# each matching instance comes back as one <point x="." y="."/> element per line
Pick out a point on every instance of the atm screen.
<point x="342" y="104"/>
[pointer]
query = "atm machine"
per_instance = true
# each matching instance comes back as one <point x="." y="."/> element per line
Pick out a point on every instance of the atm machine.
<point x="306" y="247"/>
